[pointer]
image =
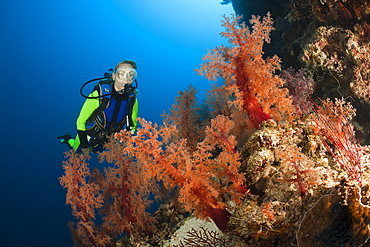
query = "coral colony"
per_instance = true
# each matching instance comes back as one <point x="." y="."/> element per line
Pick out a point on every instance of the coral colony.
<point x="261" y="157"/>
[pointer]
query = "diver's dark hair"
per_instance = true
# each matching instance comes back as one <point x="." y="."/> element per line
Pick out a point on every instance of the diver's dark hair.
<point x="131" y="62"/>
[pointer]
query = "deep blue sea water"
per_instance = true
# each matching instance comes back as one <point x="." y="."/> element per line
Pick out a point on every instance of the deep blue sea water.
<point x="48" y="49"/>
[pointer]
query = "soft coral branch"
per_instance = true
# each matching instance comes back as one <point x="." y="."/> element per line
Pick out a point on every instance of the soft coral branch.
<point x="184" y="114"/>
<point x="205" y="181"/>
<point x="85" y="198"/>
<point x="246" y="73"/>
<point x="120" y="194"/>
<point x="126" y="191"/>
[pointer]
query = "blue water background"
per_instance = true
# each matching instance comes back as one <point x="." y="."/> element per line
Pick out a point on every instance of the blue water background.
<point x="48" y="49"/>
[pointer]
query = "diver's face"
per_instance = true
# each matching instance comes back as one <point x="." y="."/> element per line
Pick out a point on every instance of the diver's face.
<point x="125" y="74"/>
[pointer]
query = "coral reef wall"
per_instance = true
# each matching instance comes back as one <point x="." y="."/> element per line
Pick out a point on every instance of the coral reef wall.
<point x="330" y="39"/>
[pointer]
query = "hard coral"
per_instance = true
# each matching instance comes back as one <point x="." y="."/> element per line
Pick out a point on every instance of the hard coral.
<point x="361" y="83"/>
<point x="329" y="50"/>
<point x="282" y="179"/>
<point x="341" y="58"/>
<point x="288" y="169"/>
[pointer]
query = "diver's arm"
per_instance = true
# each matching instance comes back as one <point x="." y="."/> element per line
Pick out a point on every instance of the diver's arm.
<point x="87" y="109"/>
<point x="135" y="115"/>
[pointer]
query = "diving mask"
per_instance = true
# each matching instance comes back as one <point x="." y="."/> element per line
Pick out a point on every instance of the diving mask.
<point x="126" y="73"/>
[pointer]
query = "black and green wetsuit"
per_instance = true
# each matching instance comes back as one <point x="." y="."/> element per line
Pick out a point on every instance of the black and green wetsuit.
<point x="121" y="111"/>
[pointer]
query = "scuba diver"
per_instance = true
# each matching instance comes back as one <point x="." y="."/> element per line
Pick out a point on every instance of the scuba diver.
<point x="111" y="107"/>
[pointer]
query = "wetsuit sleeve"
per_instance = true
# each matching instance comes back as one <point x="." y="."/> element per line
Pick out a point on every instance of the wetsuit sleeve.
<point x="135" y="115"/>
<point x="87" y="109"/>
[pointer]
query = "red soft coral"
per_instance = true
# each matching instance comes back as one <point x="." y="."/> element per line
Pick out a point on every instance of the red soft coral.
<point x="334" y="126"/>
<point x="247" y="74"/>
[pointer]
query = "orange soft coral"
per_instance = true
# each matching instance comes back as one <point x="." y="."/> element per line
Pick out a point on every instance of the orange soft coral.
<point x="120" y="194"/>
<point x="184" y="114"/>
<point x="126" y="192"/>
<point x="247" y="74"/>
<point x="205" y="180"/>
<point x="85" y="199"/>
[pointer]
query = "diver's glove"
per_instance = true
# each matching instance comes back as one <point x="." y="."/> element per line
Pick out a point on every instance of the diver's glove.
<point x="65" y="138"/>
